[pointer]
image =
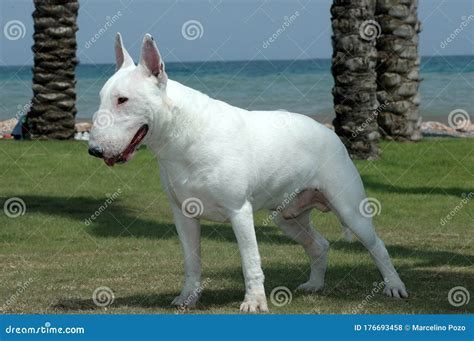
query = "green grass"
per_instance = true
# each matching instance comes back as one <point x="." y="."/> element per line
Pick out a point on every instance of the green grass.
<point x="132" y="247"/>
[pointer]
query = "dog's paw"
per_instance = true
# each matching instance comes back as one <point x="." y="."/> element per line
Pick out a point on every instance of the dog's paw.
<point x="310" y="286"/>
<point x="395" y="289"/>
<point x="185" y="300"/>
<point x="254" y="304"/>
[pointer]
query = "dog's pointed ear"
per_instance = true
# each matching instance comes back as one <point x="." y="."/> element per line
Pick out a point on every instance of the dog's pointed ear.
<point x="151" y="58"/>
<point x="122" y="57"/>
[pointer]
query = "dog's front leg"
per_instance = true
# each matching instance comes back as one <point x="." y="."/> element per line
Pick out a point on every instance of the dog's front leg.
<point x="243" y="226"/>
<point x="189" y="231"/>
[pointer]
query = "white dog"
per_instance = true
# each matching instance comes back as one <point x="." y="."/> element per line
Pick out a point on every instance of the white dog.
<point x="222" y="163"/>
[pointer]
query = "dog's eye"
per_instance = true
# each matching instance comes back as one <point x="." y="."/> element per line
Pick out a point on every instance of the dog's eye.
<point x="122" y="100"/>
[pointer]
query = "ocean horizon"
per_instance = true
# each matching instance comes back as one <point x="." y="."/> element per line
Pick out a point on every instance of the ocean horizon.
<point x="302" y="86"/>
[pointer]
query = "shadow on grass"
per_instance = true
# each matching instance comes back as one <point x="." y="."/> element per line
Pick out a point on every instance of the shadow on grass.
<point x="210" y="298"/>
<point x="370" y="184"/>
<point x="119" y="221"/>
<point x="428" y="287"/>
<point x="345" y="285"/>
<point x="423" y="257"/>
<point x="111" y="224"/>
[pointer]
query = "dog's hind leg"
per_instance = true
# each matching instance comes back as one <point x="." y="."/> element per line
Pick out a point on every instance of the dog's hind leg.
<point x="362" y="227"/>
<point x="316" y="246"/>
<point x="345" y="200"/>
<point x="347" y="234"/>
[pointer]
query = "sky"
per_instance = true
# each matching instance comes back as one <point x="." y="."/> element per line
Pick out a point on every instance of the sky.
<point x="202" y="30"/>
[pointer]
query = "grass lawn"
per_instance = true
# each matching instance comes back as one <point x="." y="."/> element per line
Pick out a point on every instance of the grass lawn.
<point x="52" y="261"/>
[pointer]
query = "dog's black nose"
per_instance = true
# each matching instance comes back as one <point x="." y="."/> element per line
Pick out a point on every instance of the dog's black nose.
<point x="96" y="151"/>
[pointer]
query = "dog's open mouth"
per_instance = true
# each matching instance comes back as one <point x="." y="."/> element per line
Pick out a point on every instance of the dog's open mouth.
<point x="132" y="146"/>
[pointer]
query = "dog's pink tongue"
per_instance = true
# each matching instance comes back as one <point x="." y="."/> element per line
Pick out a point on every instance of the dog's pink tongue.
<point x="110" y="162"/>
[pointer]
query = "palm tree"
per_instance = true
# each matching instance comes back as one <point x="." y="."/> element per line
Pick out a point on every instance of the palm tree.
<point x="54" y="96"/>
<point x="398" y="69"/>
<point x="353" y="67"/>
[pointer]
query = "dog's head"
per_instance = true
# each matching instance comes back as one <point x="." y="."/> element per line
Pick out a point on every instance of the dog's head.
<point x="128" y="102"/>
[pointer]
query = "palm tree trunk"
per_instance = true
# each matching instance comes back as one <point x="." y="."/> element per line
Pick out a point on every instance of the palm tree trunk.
<point x="398" y="69"/>
<point x="353" y="67"/>
<point x="54" y="96"/>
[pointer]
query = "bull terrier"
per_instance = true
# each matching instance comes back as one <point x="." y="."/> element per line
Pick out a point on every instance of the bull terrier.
<point x="222" y="163"/>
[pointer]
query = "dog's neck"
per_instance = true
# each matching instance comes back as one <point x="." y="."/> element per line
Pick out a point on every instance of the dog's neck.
<point x="178" y="122"/>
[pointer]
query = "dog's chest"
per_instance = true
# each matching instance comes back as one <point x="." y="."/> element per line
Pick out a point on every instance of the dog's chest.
<point x="194" y="193"/>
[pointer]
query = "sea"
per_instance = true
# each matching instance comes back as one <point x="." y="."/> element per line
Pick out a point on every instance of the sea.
<point x="302" y="86"/>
